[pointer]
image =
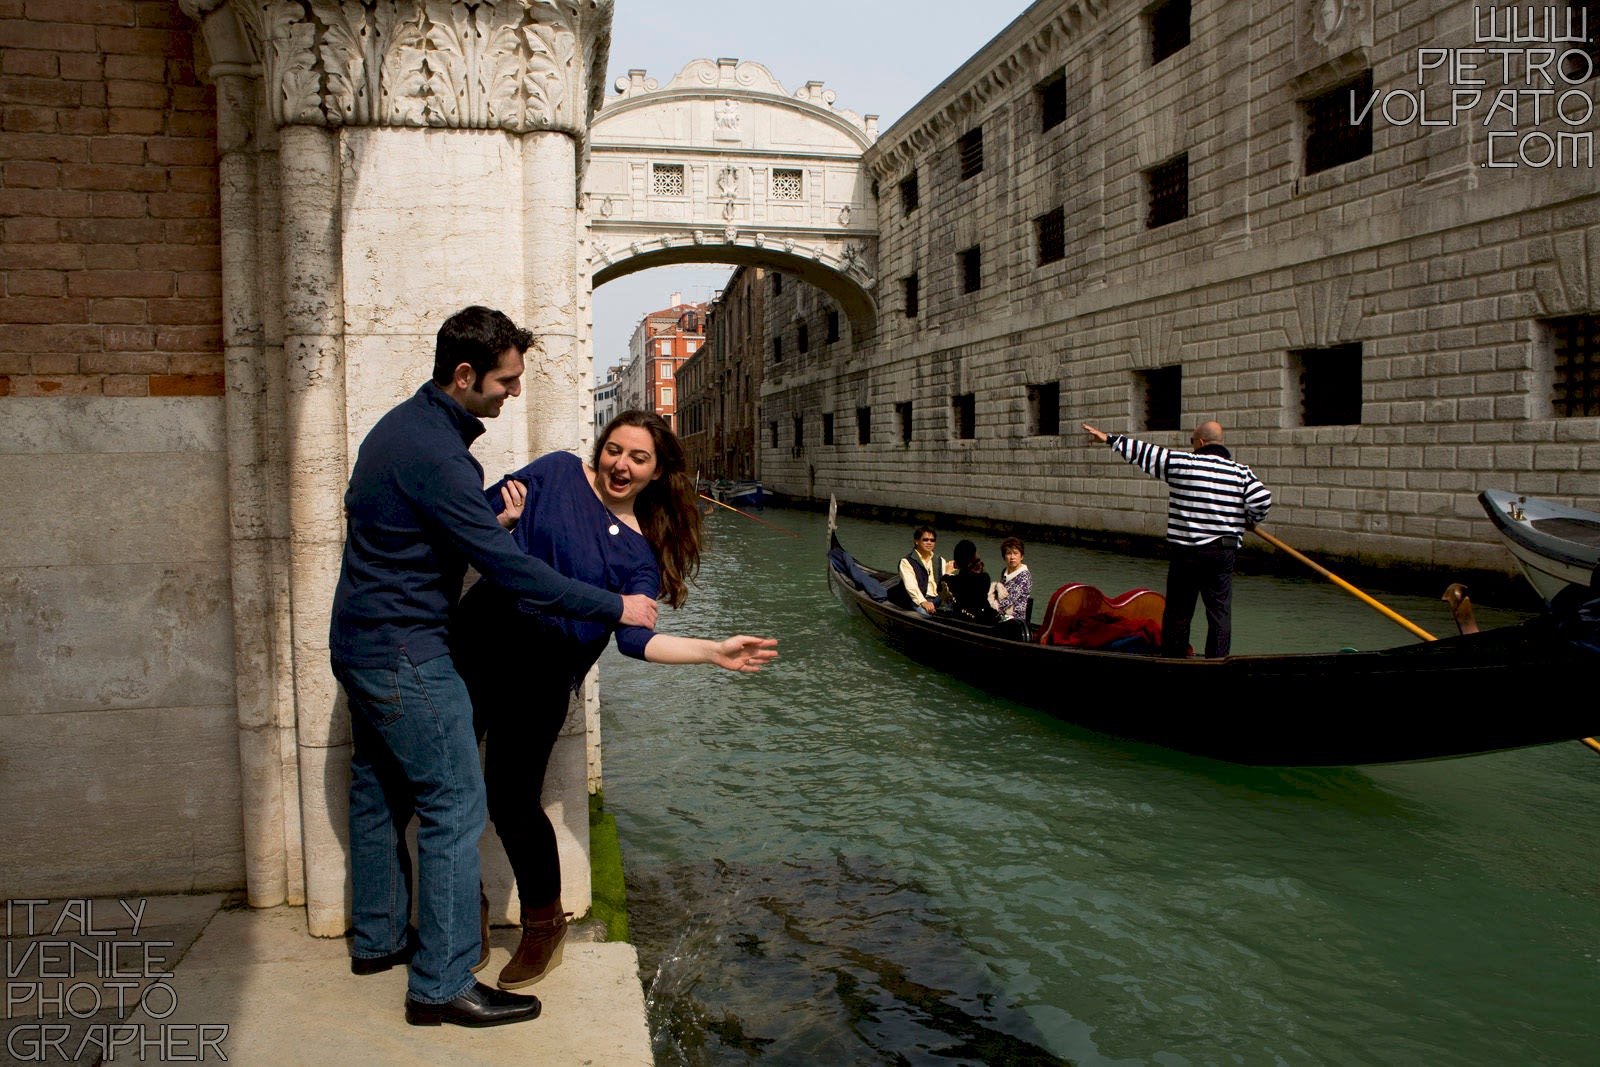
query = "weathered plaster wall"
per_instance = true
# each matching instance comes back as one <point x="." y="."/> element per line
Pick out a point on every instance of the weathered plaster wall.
<point x="119" y="764"/>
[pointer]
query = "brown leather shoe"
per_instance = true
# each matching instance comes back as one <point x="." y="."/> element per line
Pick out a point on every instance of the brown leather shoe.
<point x="483" y="922"/>
<point x="543" y="929"/>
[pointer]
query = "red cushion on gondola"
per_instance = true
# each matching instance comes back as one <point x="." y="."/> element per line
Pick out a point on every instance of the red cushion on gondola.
<point x="1083" y="617"/>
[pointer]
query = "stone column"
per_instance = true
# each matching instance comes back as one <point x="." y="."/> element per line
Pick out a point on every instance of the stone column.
<point x="367" y="148"/>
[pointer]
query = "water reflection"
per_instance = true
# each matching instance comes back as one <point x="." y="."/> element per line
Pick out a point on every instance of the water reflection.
<point x="852" y="859"/>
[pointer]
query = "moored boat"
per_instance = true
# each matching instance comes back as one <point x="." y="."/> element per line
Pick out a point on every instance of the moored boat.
<point x="1555" y="545"/>
<point x="742" y="494"/>
<point x="1458" y="696"/>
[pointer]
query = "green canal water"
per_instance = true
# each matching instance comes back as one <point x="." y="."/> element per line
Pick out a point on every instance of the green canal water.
<point x="849" y="859"/>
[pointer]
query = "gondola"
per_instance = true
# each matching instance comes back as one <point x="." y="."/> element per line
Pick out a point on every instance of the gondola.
<point x="1556" y="546"/>
<point x="1530" y="684"/>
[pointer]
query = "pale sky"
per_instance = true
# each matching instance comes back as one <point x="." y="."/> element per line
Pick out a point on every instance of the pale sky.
<point x="879" y="57"/>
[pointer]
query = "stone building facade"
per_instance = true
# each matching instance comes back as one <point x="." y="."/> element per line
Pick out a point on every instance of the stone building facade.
<point x="721" y="385"/>
<point x="1145" y="217"/>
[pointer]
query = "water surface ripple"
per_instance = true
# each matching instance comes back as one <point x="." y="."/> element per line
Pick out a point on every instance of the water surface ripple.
<point x="849" y="859"/>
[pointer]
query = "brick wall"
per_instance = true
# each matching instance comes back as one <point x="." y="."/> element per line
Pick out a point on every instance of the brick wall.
<point x="110" y="276"/>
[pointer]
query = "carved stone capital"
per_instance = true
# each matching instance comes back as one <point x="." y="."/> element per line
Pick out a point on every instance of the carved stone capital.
<point x="518" y="65"/>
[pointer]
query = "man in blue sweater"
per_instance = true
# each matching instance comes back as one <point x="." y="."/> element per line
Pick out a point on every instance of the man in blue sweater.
<point x="415" y="518"/>
<point x="1213" y="500"/>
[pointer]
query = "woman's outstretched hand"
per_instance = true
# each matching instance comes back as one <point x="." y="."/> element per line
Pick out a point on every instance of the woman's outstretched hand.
<point x="744" y="653"/>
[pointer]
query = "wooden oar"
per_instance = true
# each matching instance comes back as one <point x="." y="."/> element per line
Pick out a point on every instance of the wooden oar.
<point x="1392" y="615"/>
<point x="749" y="516"/>
<point x="1347" y="587"/>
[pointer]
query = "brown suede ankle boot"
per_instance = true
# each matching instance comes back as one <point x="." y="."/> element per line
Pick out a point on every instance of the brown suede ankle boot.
<point x="542" y="931"/>
<point x="483" y="926"/>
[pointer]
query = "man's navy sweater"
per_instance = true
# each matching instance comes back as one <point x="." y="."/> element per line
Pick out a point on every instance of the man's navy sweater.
<point x="415" y="516"/>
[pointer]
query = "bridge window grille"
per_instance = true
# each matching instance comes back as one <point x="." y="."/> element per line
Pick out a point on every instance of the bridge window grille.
<point x="827" y="427"/>
<point x="1051" y="228"/>
<point x="909" y="194"/>
<point x="863" y="426"/>
<point x="786" y="184"/>
<point x="1044" y="409"/>
<point x="909" y="282"/>
<point x="833" y="326"/>
<point x="964" y="409"/>
<point x="1331" y="138"/>
<point x="1163" y="397"/>
<point x="1329" y="380"/>
<point x="902" y="412"/>
<point x="1575" y="384"/>
<point x="1169" y="29"/>
<point x="971" y="263"/>
<point x="1052" y="94"/>
<point x="1167" y="189"/>
<point x="667" y="179"/>
<point x="970" y="149"/>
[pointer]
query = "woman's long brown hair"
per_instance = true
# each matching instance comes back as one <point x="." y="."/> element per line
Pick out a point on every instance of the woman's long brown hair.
<point x="668" y="509"/>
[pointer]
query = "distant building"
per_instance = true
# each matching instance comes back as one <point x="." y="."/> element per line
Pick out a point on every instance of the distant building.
<point x="660" y="343"/>
<point x="720" y="387"/>
<point x="607" y="401"/>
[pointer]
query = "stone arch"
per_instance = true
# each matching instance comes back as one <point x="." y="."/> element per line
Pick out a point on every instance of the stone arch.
<point x="722" y="165"/>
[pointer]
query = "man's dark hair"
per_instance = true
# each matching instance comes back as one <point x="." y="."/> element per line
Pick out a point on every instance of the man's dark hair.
<point x="475" y="335"/>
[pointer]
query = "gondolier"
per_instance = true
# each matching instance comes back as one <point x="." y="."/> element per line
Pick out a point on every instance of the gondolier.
<point x="1213" y="500"/>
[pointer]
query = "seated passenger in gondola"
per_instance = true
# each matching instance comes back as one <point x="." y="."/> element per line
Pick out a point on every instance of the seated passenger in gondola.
<point x="1011" y="595"/>
<point x="920" y="572"/>
<point x="965" y="593"/>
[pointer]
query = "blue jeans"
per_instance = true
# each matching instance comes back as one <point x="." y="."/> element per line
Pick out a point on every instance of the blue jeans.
<point x="415" y="753"/>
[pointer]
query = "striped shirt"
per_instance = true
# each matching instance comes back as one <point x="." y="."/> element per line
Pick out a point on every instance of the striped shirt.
<point x="1212" y="496"/>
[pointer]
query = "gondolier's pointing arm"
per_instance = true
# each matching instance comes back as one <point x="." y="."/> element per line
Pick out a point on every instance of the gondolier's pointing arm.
<point x="1099" y="435"/>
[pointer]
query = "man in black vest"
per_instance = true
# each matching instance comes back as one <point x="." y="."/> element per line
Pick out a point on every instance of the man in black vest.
<point x="920" y="571"/>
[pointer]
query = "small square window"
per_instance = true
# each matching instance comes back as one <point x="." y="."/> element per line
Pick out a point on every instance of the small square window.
<point x="970" y="149"/>
<point x="802" y="337"/>
<point x="772" y="434"/>
<point x="1167" y="192"/>
<point x="1331" y="138"/>
<point x="666" y="179"/>
<point x="1051" y="231"/>
<point x="902" y="411"/>
<point x="799" y="433"/>
<point x="786" y="184"/>
<point x="1330" y="384"/>
<point x="863" y="426"/>
<point x="777" y="284"/>
<point x="971" y="263"/>
<point x="1169" y="29"/>
<point x="909" y="197"/>
<point x="1163" y="397"/>
<point x="827" y="427"/>
<point x="909" y="283"/>
<point x="964" y="409"/>
<point x="1044" y="410"/>
<point x="1052" y="93"/>
<point x="777" y="350"/>
<point x="1575" y="378"/>
<point x="833" y="327"/>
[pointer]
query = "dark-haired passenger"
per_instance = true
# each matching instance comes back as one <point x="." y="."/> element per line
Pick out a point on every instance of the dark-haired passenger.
<point x="630" y="522"/>
<point x="1011" y="592"/>
<point x="415" y="517"/>
<point x="965" y="590"/>
<point x="921" y="569"/>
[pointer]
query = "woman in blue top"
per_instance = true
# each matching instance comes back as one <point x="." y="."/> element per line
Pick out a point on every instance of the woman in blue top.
<point x="630" y="522"/>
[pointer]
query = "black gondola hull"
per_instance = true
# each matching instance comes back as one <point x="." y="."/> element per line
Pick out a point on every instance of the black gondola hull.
<point x="1454" y="697"/>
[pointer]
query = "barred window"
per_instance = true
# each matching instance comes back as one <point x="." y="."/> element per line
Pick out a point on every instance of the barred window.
<point x="827" y="427"/>
<point x="909" y="283"/>
<point x="833" y="327"/>
<point x="802" y="336"/>
<point x="1163" y="397"/>
<point x="1575" y="384"/>
<point x="667" y="178"/>
<point x="785" y="184"/>
<point x="1329" y="384"/>
<point x="970" y="149"/>
<point x="777" y="284"/>
<point x="799" y="433"/>
<point x="1331" y="138"/>
<point x="1167" y="189"/>
<point x="1052" y="93"/>
<point x="971" y="263"/>
<point x="902" y="411"/>
<point x="772" y="434"/>
<point x="1051" y="230"/>
<point x="1169" y="29"/>
<point x="863" y="426"/>
<point x="777" y="349"/>
<point x="964" y="408"/>
<point x="1044" y="409"/>
<point x="909" y="195"/>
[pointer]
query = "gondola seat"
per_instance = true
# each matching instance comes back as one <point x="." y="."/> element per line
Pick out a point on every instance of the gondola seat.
<point x="1080" y="616"/>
